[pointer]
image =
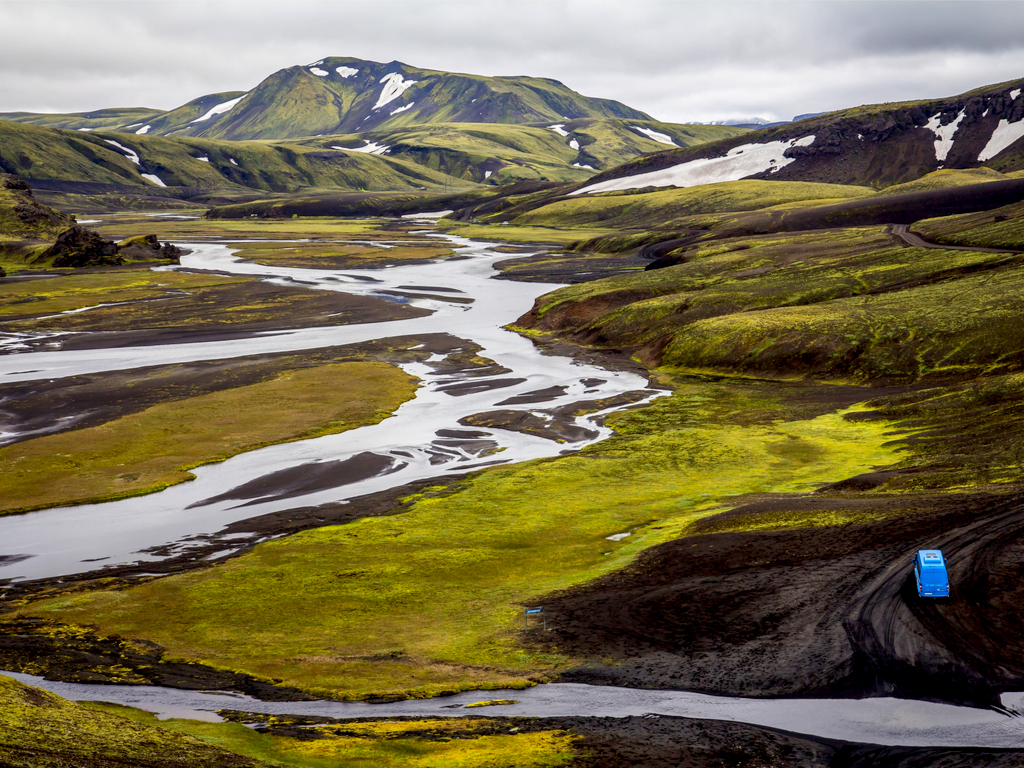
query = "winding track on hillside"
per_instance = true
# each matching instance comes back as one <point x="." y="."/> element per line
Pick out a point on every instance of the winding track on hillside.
<point x="910" y="643"/>
<point x="902" y="231"/>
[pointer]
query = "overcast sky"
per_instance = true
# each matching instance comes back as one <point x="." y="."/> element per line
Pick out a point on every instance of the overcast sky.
<point x="678" y="61"/>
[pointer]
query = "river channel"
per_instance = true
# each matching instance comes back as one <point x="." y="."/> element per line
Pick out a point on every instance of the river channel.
<point x="423" y="439"/>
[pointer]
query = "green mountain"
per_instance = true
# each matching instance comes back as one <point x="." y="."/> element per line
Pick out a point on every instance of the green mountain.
<point x="345" y="95"/>
<point x="877" y="145"/>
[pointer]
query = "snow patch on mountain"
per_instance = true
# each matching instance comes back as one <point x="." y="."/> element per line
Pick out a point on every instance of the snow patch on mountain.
<point x="1005" y="134"/>
<point x="153" y="178"/>
<point x="220" y="109"/>
<point x="1015" y="93"/>
<point x="85" y="129"/>
<point x="661" y="138"/>
<point x="402" y="109"/>
<point x="574" y="144"/>
<point x="372" y="148"/>
<point x="143" y="129"/>
<point x="203" y="159"/>
<point x="347" y="72"/>
<point x="559" y="129"/>
<point x="318" y="72"/>
<point x="132" y="155"/>
<point x="232" y="161"/>
<point x="394" y="86"/>
<point x="133" y="125"/>
<point x="739" y="163"/>
<point x="581" y="165"/>
<point x="944" y="142"/>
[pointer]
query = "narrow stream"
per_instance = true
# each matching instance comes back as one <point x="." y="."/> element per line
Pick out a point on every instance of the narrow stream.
<point x="423" y="439"/>
<point x="889" y="722"/>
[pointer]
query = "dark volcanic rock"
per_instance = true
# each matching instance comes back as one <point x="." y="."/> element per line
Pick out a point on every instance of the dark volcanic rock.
<point x="148" y="248"/>
<point x="21" y="214"/>
<point x="81" y="247"/>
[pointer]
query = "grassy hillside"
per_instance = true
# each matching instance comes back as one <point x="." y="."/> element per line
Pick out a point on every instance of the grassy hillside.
<point x="417" y="158"/>
<point x="44" y="154"/>
<point x="663" y="208"/>
<point x="853" y="303"/>
<point x="496" y="153"/>
<point x="100" y="120"/>
<point x="606" y="142"/>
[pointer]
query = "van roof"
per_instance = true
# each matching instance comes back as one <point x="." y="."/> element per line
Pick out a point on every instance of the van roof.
<point x="931" y="556"/>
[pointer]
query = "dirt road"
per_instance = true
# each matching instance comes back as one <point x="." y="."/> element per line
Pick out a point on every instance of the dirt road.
<point x="828" y="611"/>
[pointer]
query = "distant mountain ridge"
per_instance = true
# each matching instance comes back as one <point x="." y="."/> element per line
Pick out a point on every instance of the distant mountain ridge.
<point x="340" y="95"/>
<point x="876" y="145"/>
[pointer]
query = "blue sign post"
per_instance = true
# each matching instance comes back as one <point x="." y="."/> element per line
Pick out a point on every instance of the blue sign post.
<point x="528" y="612"/>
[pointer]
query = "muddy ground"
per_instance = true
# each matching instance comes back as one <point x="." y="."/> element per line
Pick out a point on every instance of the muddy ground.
<point x="826" y="611"/>
<point x="235" y="311"/>
<point x="44" y="406"/>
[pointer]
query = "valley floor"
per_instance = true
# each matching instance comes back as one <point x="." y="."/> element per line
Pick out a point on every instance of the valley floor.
<point x="833" y="400"/>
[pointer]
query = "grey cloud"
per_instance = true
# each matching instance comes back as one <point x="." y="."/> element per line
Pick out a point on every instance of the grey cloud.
<point x="675" y="60"/>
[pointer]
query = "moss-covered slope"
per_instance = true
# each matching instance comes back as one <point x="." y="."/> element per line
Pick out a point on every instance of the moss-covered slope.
<point x="849" y="304"/>
<point x="153" y="165"/>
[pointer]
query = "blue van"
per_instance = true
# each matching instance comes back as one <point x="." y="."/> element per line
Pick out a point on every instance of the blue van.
<point x="930" y="573"/>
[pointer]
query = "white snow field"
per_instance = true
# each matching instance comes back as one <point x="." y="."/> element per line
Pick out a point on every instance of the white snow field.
<point x="203" y="159"/>
<point x="318" y="72"/>
<point x="740" y="162"/>
<point x="153" y="178"/>
<point x="1002" y="137"/>
<point x="143" y="129"/>
<point x="402" y="109"/>
<point x="581" y="165"/>
<point x="944" y="142"/>
<point x="347" y="72"/>
<point x="133" y="125"/>
<point x="1015" y="93"/>
<point x="372" y="148"/>
<point x="129" y="152"/>
<point x="233" y="161"/>
<point x="394" y="86"/>
<point x="661" y="138"/>
<point x="220" y="109"/>
<point x="559" y="129"/>
<point x="574" y="144"/>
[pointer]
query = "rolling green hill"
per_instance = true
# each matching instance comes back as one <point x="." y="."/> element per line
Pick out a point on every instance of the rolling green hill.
<point x="101" y="119"/>
<point x="113" y="162"/>
<point x="407" y="159"/>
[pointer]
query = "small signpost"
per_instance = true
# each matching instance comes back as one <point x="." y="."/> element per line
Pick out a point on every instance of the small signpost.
<point x="528" y="612"/>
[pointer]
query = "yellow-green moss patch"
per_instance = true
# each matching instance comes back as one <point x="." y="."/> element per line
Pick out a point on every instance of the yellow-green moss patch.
<point x="431" y="600"/>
